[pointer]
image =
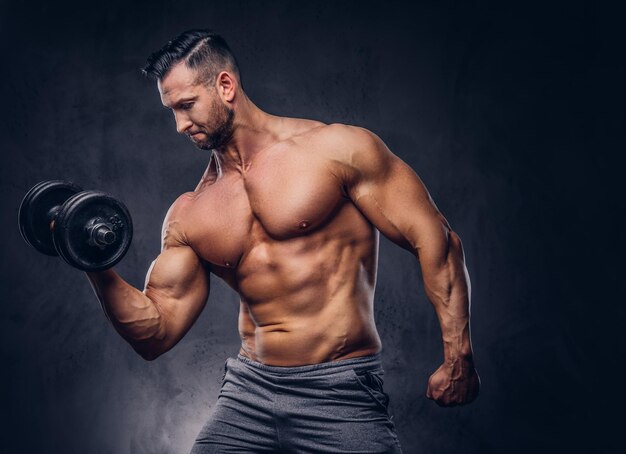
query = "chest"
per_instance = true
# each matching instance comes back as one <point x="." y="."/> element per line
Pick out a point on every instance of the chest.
<point x="282" y="195"/>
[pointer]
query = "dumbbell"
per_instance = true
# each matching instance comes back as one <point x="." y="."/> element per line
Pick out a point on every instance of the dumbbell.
<point x="90" y="230"/>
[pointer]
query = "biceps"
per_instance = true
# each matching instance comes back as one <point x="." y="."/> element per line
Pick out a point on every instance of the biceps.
<point x="178" y="284"/>
<point x="398" y="204"/>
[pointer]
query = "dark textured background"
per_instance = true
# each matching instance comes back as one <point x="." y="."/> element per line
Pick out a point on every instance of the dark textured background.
<point x="510" y="114"/>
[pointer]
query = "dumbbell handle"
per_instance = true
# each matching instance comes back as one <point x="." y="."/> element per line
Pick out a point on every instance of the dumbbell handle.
<point x="102" y="234"/>
<point x="53" y="214"/>
<point x="99" y="232"/>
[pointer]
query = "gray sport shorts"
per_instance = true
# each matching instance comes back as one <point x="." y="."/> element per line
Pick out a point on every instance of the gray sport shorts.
<point x="333" y="407"/>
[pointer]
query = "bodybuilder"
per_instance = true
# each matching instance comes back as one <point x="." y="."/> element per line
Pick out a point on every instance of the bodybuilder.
<point x="288" y="214"/>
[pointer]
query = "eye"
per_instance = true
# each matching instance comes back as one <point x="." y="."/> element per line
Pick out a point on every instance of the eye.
<point x="186" y="106"/>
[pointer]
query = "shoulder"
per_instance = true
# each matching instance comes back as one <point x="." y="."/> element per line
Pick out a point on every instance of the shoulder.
<point x="181" y="204"/>
<point x="351" y="143"/>
<point x="356" y="150"/>
<point x="342" y="133"/>
<point x="295" y="129"/>
<point x="347" y="135"/>
<point x="173" y="230"/>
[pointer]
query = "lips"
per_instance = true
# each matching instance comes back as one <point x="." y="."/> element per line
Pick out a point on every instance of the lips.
<point x="195" y="134"/>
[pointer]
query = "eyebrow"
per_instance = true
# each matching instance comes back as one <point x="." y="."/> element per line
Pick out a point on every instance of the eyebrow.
<point x="181" y="101"/>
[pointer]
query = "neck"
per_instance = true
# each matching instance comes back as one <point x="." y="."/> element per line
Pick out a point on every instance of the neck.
<point x="253" y="131"/>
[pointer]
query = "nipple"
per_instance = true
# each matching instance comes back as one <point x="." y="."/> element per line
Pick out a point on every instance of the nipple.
<point x="304" y="224"/>
<point x="227" y="264"/>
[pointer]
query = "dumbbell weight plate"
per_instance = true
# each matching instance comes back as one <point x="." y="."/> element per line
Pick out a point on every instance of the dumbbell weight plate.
<point x="73" y="234"/>
<point x="36" y="212"/>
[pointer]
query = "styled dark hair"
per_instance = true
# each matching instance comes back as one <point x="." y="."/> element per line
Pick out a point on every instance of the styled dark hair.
<point x="200" y="49"/>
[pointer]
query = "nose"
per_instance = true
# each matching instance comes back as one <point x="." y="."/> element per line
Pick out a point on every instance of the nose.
<point x="182" y="122"/>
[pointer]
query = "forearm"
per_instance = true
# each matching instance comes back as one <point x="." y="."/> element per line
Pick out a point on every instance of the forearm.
<point x="447" y="287"/>
<point x="134" y="316"/>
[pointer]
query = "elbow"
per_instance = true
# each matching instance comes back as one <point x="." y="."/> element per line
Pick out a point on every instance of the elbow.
<point x="146" y="337"/>
<point x="150" y="347"/>
<point x="150" y="356"/>
<point x="454" y="240"/>
<point x="148" y="353"/>
<point x="451" y="248"/>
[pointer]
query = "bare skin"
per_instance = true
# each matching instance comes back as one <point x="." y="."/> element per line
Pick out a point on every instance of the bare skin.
<point x="291" y="223"/>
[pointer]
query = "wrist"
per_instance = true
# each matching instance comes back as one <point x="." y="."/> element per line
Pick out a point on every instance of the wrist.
<point x="101" y="276"/>
<point x="454" y="352"/>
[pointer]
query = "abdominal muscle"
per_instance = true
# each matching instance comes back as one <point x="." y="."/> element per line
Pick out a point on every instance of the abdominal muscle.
<point x="309" y="301"/>
<point x="300" y="342"/>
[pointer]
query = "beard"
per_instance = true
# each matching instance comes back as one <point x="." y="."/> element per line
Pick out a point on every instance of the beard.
<point x="222" y="129"/>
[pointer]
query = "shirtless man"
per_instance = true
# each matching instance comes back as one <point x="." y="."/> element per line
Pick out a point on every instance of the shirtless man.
<point x="288" y="214"/>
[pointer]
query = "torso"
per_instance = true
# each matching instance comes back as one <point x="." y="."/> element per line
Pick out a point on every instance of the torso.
<point x="285" y="236"/>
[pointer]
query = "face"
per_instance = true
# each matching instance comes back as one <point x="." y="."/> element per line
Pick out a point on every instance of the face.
<point x="199" y="112"/>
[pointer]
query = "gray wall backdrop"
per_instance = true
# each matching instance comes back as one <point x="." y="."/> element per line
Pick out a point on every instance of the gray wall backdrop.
<point x="509" y="112"/>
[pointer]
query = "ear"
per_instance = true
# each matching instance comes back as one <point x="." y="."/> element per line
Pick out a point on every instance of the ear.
<point x="226" y="86"/>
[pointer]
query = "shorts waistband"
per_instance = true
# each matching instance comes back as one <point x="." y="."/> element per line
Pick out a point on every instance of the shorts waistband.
<point x="361" y="362"/>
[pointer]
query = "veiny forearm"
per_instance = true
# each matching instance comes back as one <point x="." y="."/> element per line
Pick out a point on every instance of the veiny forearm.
<point x="135" y="317"/>
<point x="447" y="286"/>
